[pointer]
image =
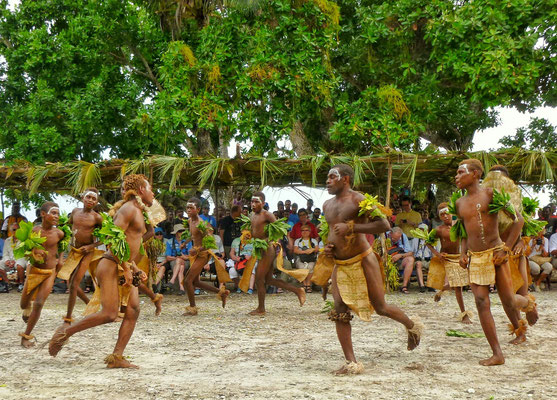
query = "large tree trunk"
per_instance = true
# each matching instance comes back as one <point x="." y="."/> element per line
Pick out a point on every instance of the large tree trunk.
<point x="300" y="143"/>
<point x="204" y="145"/>
<point x="454" y="140"/>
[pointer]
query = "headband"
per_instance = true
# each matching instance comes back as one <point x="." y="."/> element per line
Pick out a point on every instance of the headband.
<point x="90" y="192"/>
<point x="191" y="204"/>
<point x="334" y="171"/>
<point x="257" y="199"/>
<point x="465" y="166"/>
<point x="53" y="208"/>
<point x="444" y="211"/>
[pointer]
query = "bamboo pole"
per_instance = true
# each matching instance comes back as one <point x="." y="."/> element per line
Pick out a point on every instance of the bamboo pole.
<point x="389" y="182"/>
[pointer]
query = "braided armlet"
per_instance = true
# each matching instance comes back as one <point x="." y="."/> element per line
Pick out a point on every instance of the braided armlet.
<point x="464" y="314"/>
<point x="522" y="328"/>
<point x="531" y="304"/>
<point x="345" y="317"/>
<point x="26" y="337"/>
<point x="68" y="320"/>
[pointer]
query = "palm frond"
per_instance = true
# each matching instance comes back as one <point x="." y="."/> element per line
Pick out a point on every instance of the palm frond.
<point x="35" y="176"/>
<point x="137" y="166"/>
<point x="411" y="168"/>
<point x="209" y="170"/>
<point x="488" y="160"/>
<point x="315" y="162"/>
<point x="164" y="164"/>
<point x="83" y="175"/>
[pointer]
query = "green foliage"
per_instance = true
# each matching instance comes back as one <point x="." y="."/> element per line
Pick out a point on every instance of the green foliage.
<point x="64" y="226"/>
<point x="259" y="247"/>
<point x="532" y="226"/>
<point x="530" y="206"/>
<point x="372" y="208"/>
<point x="27" y="241"/>
<point x="461" y="334"/>
<point x="275" y="231"/>
<point x="186" y="235"/>
<point x="502" y="202"/>
<point x="246" y="222"/>
<point x="428" y="237"/>
<point x="539" y="135"/>
<point x="114" y="238"/>
<point x="323" y="229"/>
<point x="208" y="242"/>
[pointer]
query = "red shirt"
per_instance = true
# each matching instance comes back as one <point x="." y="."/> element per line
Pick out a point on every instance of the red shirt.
<point x="296" y="232"/>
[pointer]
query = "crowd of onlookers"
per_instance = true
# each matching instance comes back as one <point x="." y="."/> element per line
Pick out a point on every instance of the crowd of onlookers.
<point x="301" y="245"/>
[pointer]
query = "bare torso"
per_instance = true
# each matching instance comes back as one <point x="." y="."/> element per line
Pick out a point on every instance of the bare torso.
<point x="131" y="217"/>
<point x="196" y="235"/>
<point x="481" y="227"/>
<point x="53" y="236"/>
<point x="447" y="245"/>
<point x="343" y="209"/>
<point x="83" y="224"/>
<point x="258" y="223"/>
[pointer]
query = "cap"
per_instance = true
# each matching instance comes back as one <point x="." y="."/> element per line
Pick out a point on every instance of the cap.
<point x="177" y="228"/>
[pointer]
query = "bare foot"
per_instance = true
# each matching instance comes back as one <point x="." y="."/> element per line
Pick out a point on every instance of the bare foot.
<point x="158" y="304"/>
<point x="324" y="292"/>
<point x="519" y="339"/>
<point x="118" y="361"/>
<point x="466" y="320"/>
<point x="438" y="296"/>
<point x="257" y="311"/>
<point x="190" y="311"/>
<point x="26" y="340"/>
<point x="223" y="295"/>
<point x="415" y="335"/>
<point x="58" y="340"/>
<point x="350" y="368"/>
<point x="532" y="316"/>
<point x="120" y="317"/>
<point x="493" y="360"/>
<point x="301" y="293"/>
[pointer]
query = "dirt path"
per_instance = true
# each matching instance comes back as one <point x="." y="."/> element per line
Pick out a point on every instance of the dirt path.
<point x="226" y="354"/>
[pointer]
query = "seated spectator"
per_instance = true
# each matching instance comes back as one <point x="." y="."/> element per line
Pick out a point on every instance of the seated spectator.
<point x="205" y="216"/>
<point x="296" y="232"/>
<point x="306" y="249"/>
<point x="245" y="210"/>
<point x="539" y="259"/>
<point x="176" y="255"/>
<point x="293" y="218"/>
<point x="422" y="256"/>
<point x="240" y="253"/>
<point x="161" y="260"/>
<point x="315" y="216"/>
<point x="402" y="255"/>
<point x="9" y="264"/>
<point x="230" y="229"/>
<point x="407" y="219"/>
<point x="553" y="249"/>
<point x="15" y="218"/>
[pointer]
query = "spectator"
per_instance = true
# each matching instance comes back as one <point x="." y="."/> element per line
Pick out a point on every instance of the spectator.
<point x="296" y="232"/>
<point x="230" y="229"/>
<point x="238" y="200"/>
<point x="306" y="249"/>
<point x="408" y="219"/>
<point x="293" y="218"/>
<point x="309" y="206"/>
<point x="422" y="256"/>
<point x="551" y="219"/>
<point x="401" y="254"/>
<point x="287" y="209"/>
<point x="280" y="209"/>
<point x="14" y="218"/>
<point x="553" y="249"/>
<point x="205" y="216"/>
<point x="240" y="253"/>
<point x="9" y="263"/>
<point x="245" y="210"/>
<point x="161" y="261"/>
<point x="176" y="255"/>
<point x="315" y="216"/>
<point x="539" y="259"/>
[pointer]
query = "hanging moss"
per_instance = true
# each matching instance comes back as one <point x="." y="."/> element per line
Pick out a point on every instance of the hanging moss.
<point x="187" y="53"/>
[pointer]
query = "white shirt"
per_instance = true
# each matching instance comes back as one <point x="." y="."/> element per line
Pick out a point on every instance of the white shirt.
<point x="553" y="242"/>
<point x="9" y="254"/>
<point x="305" y="243"/>
<point x="538" y="250"/>
<point x="420" y="250"/>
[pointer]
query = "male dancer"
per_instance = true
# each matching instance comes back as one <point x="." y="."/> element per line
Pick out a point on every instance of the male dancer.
<point x="449" y="257"/>
<point x="83" y="221"/>
<point x="264" y="273"/>
<point x="199" y="256"/>
<point x="41" y="275"/>
<point x="117" y="293"/>
<point x="356" y="281"/>
<point x="483" y="253"/>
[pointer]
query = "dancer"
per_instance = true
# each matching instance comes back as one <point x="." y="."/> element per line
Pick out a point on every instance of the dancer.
<point x="260" y="219"/>
<point x="510" y="231"/>
<point x="356" y="278"/>
<point x="115" y="274"/>
<point x="483" y="253"/>
<point x="43" y="262"/>
<point x="444" y="269"/>
<point x="199" y="256"/>
<point x="83" y="252"/>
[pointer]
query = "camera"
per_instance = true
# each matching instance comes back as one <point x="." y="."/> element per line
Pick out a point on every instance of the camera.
<point x="539" y="241"/>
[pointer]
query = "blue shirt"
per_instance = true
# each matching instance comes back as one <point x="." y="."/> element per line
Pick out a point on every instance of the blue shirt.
<point x="173" y="248"/>
<point x="404" y="243"/>
<point x="210" y="219"/>
<point x="293" y="219"/>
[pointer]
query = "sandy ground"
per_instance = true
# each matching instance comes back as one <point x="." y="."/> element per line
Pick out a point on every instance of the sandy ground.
<point x="226" y="354"/>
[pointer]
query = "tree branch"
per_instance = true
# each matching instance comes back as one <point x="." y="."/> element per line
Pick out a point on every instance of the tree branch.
<point x="150" y="73"/>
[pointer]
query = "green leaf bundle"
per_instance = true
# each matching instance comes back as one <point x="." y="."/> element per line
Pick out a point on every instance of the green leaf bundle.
<point x="502" y="202"/>
<point x="186" y="235"/>
<point x="392" y="282"/>
<point x="461" y="334"/>
<point x="64" y="226"/>
<point x="27" y="241"/>
<point x="276" y="230"/>
<point x="208" y="242"/>
<point x="458" y="231"/>
<point x="372" y="208"/>
<point x="530" y="206"/>
<point x="246" y="222"/>
<point x="113" y="237"/>
<point x="323" y="229"/>
<point x="203" y="227"/>
<point x="532" y="226"/>
<point x="452" y="202"/>
<point x="428" y="237"/>
<point x="259" y="246"/>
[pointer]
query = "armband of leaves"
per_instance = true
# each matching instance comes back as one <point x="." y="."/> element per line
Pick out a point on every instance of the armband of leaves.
<point x="186" y="235"/>
<point x="27" y="242"/>
<point x="452" y="202"/>
<point x="259" y="246"/>
<point x="531" y="226"/>
<point x="458" y="231"/>
<point x="209" y="242"/>
<point x="64" y="226"/>
<point x="428" y="237"/>
<point x="246" y="222"/>
<point x="323" y="229"/>
<point x="502" y="202"/>
<point x="276" y="230"/>
<point x="529" y="206"/>
<point x="372" y="208"/>
<point x="113" y="237"/>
